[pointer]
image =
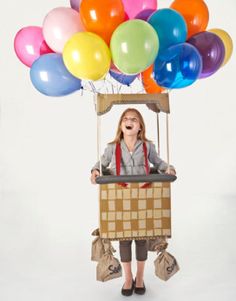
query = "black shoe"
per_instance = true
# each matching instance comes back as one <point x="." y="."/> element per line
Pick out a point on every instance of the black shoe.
<point x="128" y="291"/>
<point x="139" y="290"/>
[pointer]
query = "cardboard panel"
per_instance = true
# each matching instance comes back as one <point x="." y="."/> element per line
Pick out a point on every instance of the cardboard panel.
<point x="134" y="212"/>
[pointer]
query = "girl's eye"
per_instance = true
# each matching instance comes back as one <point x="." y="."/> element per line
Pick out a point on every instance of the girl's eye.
<point x="131" y="119"/>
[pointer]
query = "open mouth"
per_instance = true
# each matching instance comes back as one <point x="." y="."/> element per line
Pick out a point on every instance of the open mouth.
<point x="128" y="127"/>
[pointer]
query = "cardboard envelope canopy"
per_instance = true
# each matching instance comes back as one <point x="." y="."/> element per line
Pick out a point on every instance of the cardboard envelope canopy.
<point x="155" y="102"/>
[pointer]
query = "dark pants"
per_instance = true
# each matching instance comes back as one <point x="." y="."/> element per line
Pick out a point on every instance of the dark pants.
<point x="126" y="253"/>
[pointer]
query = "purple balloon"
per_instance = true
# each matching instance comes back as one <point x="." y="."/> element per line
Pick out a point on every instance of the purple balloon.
<point x="145" y="14"/>
<point x="211" y="49"/>
<point x="123" y="78"/>
<point x="75" y="4"/>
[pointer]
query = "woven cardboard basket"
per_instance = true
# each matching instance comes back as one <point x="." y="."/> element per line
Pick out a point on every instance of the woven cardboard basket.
<point x="134" y="212"/>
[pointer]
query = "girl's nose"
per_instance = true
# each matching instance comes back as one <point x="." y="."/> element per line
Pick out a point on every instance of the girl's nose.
<point x="128" y="122"/>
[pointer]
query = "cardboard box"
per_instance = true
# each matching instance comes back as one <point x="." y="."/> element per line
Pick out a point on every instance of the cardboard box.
<point x="134" y="212"/>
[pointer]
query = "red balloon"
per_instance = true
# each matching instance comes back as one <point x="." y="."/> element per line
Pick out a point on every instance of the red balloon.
<point x="102" y="16"/>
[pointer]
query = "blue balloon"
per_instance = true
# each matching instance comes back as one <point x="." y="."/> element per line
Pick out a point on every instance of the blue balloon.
<point x="178" y="67"/>
<point x="50" y="76"/>
<point x="170" y="27"/>
<point x="123" y="78"/>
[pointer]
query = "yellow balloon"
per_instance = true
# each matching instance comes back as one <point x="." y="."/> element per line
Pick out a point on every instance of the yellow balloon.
<point x="227" y="41"/>
<point x="87" y="56"/>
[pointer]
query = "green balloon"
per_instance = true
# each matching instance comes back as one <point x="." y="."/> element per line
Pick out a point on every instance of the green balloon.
<point x="134" y="46"/>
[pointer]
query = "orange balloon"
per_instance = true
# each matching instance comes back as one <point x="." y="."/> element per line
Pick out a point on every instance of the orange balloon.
<point x="149" y="83"/>
<point x="102" y="16"/>
<point x="195" y="13"/>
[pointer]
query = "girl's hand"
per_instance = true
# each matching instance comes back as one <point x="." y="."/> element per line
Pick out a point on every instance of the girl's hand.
<point x="170" y="171"/>
<point x="95" y="173"/>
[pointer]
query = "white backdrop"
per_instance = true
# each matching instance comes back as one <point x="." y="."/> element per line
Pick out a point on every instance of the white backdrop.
<point x="48" y="207"/>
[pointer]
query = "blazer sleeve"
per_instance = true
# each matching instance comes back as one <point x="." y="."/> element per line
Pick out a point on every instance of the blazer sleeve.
<point x="157" y="162"/>
<point x="106" y="157"/>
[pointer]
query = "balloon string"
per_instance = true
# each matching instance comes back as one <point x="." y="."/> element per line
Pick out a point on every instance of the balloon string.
<point x="167" y="141"/>
<point x="158" y="135"/>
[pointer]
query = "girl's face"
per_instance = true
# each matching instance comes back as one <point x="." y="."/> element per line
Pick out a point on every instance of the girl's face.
<point x="130" y="124"/>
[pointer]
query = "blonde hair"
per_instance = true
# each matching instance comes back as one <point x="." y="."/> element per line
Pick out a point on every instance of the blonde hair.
<point x="141" y="133"/>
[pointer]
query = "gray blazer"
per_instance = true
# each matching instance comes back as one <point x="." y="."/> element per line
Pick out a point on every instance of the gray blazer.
<point x="132" y="164"/>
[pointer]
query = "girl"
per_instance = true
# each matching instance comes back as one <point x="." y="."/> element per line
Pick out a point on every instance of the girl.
<point x="131" y="139"/>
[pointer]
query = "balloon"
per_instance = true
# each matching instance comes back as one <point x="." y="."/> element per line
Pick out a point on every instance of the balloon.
<point x="144" y="14"/>
<point x="170" y="27"/>
<point x="50" y="76"/>
<point x="134" y="46"/>
<point x="178" y="67"/>
<point x="196" y="14"/>
<point x="142" y="9"/>
<point x="149" y="84"/>
<point x="102" y="17"/>
<point x="75" y="4"/>
<point x="87" y="56"/>
<point x="227" y="41"/>
<point x="29" y="44"/>
<point x="114" y="68"/>
<point x="211" y="49"/>
<point x="59" y="25"/>
<point x="122" y="78"/>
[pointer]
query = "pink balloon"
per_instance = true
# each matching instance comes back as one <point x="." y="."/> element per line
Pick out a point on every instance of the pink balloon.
<point x="59" y="25"/>
<point x="141" y="9"/>
<point x="114" y="68"/>
<point x="29" y="44"/>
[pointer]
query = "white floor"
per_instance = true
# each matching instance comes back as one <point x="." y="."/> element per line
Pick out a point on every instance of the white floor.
<point x="45" y="264"/>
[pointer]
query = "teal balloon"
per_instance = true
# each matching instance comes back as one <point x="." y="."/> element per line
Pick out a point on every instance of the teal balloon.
<point x="134" y="46"/>
<point x="170" y="27"/>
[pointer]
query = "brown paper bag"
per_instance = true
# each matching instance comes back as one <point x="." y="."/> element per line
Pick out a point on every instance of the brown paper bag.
<point x="96" y="232"/>
<point x="165" y="266"/>
<point x="108" y="268"/>
<point x="157" y="244"/>
<point x="97" y="249"/>
<point x="100" y="247"/>
<point x="108" y="247"/>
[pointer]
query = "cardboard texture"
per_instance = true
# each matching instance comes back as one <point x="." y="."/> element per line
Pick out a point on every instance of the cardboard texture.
<point x="155" y="102"/>
<point x="134" y="212"/>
